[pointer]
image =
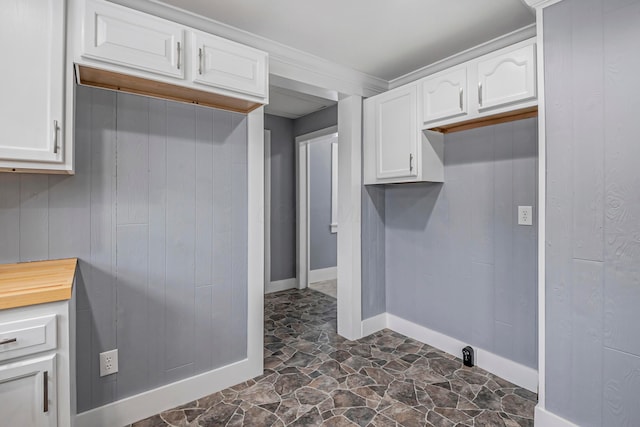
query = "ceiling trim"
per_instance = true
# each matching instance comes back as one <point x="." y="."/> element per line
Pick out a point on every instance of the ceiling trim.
<point x="503" y="41"/>
<point x="535" y="4"/>
<point x="284" y="61"/>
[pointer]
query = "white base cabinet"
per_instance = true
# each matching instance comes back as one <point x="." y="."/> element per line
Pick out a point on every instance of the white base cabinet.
<point x="37" y="365"/>
<point x="32" y="41"/>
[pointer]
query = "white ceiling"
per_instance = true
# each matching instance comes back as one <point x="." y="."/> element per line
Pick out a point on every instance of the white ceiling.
<point x="383" y="38"/>
<point x="290" y="104"/>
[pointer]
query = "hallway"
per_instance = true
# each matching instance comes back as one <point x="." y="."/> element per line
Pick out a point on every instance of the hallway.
<point x="315" y="377"/>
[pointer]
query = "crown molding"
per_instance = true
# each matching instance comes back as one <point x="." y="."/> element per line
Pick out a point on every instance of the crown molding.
<point x="536" y="4"/>
<point x="284" y="61"/>
<point x="505" y="40"/>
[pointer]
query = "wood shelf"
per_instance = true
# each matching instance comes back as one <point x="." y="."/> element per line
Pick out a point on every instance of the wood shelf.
<point x="124" y="83"/>
<point x="523" y="113"/>
<point x="30" y="283"/>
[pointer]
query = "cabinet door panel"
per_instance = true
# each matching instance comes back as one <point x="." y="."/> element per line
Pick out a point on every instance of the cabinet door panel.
<point x="396" y="133"/>
<point x="124" y="37"/>
<point x="229" y="65"/>
<point x="444" y="96"/>
<point x="507" y="78"/>
<point x="23" y="395"/>
<point x="31" y="108"/>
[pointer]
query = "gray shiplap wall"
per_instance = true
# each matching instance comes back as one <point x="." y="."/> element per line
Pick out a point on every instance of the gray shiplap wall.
<point x="317" y="120"/>
<point x="456" y="260"/>
<point x="593" y="211"/>
<point x="374" y="300"/>
<point x="283" y="197"/>
<point x="156" y="213"/>
<point x="323" y="244"/>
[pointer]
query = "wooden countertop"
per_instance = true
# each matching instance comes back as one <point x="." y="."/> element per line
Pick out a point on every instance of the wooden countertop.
<point x="30" y="283"/>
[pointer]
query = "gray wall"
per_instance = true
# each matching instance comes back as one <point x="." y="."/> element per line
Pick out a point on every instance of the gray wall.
<point x="374" y="300"/>
<point x="593" y="205"/>
<point x="157" y="214"/>
<point x="456" y="260"/>
<point x="283" y="198"/>
<point x="321" y="119"/>
<point x="323" y="244"/>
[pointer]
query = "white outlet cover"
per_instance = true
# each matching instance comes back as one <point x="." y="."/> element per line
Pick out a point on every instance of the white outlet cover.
<point x="108" y="362"/>
<point x="525" y="215"/>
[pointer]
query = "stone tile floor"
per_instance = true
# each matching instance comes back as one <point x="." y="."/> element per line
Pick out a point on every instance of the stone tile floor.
<point x="327" y="287"/>
<point x="315" y="377"/>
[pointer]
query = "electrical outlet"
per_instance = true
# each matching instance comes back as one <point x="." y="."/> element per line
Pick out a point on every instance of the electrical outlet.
<point x="108" y="362"/>
<point x="525" y="215"/>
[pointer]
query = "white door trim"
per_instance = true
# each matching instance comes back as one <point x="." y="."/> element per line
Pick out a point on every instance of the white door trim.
<point x="267" y="208"/>
<point x="302" y="208"/>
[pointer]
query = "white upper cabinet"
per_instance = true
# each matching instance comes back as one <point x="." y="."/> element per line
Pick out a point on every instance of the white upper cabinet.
<point x="222" y="63"/>
<point x="32" y="39"/>
<point x="444" y="96"/>
<point x="396" y="135"/>
<point x="133" y="39"/>
<point x="507" y="78"/>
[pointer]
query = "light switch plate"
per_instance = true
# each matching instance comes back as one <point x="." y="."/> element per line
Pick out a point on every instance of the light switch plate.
<point x="525" y="215"/>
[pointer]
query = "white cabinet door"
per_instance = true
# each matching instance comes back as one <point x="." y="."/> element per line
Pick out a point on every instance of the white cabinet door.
<point x="132" y="39"/>
<point x="396" y="133"/>
<point x="27" y="393"/>
<point x="225" y="64"/>
<point x="507" y="78"/>
<point x="444" y="96"/>
<point x="32" y="80"/>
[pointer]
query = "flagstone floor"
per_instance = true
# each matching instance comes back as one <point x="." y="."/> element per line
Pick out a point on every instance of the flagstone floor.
<point x="314" y="377"/>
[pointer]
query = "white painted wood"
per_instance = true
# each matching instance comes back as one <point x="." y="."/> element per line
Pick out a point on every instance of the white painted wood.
<point x="225" y="64"/>
<point x="62" y="390"/>
<point x="32" y="37"/>
<point x="509" y="370"/>
<point x="334" y="188"/>
<point x="444" y="95"/>
<point x="544" y="418"/>
<point x="32" y="336"/>
<point x="507" y="78"/>
<point x="255" y="244"/>
<point x="133" y="39"/>
<point x="395" y="133"/>
<point x="322" y="274"/>
<point x="267" y="208"/>
<point x="374" y="324"/>
<point x="280" y="285"/>
<point x="143" y="405"/>
<point x="349" y="288"/>
<point x="22" y="392"/>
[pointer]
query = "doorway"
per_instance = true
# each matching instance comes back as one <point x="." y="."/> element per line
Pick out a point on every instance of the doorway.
<point x="317" y="210"/>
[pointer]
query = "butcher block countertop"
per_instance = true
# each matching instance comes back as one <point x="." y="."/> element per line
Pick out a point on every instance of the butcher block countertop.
<point x="38" y="282"/>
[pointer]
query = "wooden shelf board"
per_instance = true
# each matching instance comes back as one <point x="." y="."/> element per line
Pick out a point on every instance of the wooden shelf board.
<point x="30" y="283"/>
<point x="523" y="113"/>
<point x="124" y="83"/>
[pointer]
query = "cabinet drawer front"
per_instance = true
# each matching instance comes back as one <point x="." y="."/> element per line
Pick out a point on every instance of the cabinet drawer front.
<point x="132" y="39"/>
<point x="229" y="65"/>
<point x="444" y="96"/>
<point x="28" y="336"/>
<point x="507" y="78"/>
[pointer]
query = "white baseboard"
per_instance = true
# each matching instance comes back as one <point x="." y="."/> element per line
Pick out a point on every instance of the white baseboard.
<point x="143" y="405"/>
<point x="509" y="370"/>
<point x="322" y="274"/>
<point x="544" y="418"/>
<point x="281" y="285"/>
<point x="374" y="324"/>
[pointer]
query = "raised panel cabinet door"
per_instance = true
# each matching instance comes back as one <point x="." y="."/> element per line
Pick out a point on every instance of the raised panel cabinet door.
<point x="507" y="78"/>
<point x="27" y="393"/>
<point x="228" y="65"/>
<point x="444" y="96"/>
<point x="121" y="36"/>
<point x="396" y="133"/>
<point x="32" y="80"/>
